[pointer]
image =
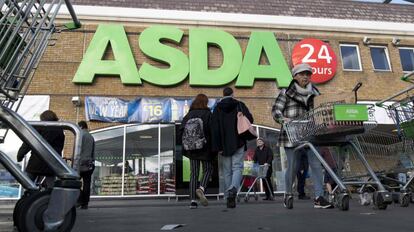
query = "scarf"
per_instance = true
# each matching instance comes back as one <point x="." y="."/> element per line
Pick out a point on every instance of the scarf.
<point x="304" y="93"/>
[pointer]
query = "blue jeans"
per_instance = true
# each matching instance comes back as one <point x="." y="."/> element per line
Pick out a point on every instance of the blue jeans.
<point x="293" y="165"/>
<point x="233" y="170"/>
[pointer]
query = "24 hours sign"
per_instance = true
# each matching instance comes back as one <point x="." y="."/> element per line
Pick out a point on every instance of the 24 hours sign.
<point x="317" y="54"/>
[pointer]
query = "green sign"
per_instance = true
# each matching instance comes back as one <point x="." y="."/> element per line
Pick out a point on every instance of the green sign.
<point x="351" y="112"/>
<point x="179" y="66"/>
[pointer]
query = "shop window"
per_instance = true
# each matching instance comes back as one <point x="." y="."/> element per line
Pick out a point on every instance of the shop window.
<point x="407" y="59"/>
<point x="351" y="60"/>
<point x="380" y="58"/>
<point x="107" y="177"/>
<point x="141" y="155"/>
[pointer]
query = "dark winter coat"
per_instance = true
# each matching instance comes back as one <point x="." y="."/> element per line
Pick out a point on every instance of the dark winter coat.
<point x="87" y="154"/>
<point x="224" y="126"/>
<point x="263" y="156"/>
<point x="205" y="115"/>
<point x="289" y="104"/>
<point x="56" y="138"/>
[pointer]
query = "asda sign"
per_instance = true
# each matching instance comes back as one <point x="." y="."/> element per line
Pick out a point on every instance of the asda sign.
<point x="245" y="69"/>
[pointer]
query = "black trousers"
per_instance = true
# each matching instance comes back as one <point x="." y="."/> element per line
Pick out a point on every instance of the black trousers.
<point x="301" y="175"/>
<point x="195" y="170"/>
<point x="86" y="187"/>
<point x="269" y="192"/>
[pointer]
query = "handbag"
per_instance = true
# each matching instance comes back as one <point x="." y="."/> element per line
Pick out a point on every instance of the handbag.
<point x="244" y="127"/>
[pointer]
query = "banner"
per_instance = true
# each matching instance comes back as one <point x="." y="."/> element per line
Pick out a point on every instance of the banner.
<point x="139" y="110"/>
<point x="106" y="109"/>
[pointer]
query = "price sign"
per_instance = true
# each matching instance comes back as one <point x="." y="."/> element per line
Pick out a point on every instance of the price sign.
<point x="317" y="54"/>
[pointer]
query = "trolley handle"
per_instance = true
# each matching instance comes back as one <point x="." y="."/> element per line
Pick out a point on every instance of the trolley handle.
<point x="406" y="78"/>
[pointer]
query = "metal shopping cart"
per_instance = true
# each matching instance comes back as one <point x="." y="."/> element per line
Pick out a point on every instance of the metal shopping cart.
<point x="392" y="159"/>
<point x="335" y="124"/>
<point x="26" y="27"/>
<point x="401" y="110"/>
<point x="258" y="172"/>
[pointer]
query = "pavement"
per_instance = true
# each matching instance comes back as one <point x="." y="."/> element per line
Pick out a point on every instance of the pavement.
<point x="145" y="215"/>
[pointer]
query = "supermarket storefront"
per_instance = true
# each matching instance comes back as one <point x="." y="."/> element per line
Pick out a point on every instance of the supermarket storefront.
<point x="147" y="160"/>
<point x="146" y="66"/>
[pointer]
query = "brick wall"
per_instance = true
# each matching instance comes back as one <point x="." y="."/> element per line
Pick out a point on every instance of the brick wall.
<point x="60" y="62"/>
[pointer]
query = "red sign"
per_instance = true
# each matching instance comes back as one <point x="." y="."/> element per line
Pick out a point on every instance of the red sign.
<point x="317" y="54"/>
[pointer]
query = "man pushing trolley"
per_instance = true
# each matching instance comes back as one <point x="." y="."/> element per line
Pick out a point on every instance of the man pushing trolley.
<point x="331" y="124"/>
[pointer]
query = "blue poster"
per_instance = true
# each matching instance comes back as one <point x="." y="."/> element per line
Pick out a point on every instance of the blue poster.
<point x="152" y="110"/>
<point x="106" y="109"/>
<point x="139" y="110"/>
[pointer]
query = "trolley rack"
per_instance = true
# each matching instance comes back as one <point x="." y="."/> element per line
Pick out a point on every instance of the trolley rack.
<point x="335" y="124"/>
<point x="26" y="26"/>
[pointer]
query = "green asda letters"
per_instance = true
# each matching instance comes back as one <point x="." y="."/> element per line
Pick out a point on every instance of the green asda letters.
<point x="178" y="65"/>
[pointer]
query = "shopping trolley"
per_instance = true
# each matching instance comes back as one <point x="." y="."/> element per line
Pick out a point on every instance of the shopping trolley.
<point x="26" y="27"/>
<point x="259" y="173"/>
<point x="391" y="157"/>
<point x="401" y="110"/>
<point x="335" y="124"/>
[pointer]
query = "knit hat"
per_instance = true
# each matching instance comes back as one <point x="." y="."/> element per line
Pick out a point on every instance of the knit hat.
<point x="261" y="138"/>
<point x="301" y="68"/>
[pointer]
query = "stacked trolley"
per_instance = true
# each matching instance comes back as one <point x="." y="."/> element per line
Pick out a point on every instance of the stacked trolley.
<point x="336" y="124"/>
<point x="26" y="27"/>
<point x="391" y="156"/>
<point x="401" y="110"/>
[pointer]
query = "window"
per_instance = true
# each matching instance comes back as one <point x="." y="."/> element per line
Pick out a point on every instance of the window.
<point x="351" y="60"/>
<point x="407" y="59"/>
<point x="380" y="59"/>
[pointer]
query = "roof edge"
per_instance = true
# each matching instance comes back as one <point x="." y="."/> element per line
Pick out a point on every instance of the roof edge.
<point x="118" y="14"/>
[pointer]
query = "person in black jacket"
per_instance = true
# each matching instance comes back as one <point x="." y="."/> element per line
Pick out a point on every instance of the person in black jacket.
<point x="263" y="155"/>
<point x="197" y="147"/>
<point x="37" y="168"/>
<point x="87" y="164"/>
<point x="228" y="143"/>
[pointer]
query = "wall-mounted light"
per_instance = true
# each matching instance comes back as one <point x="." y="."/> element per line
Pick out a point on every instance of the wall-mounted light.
<point x="76" y="101"/>
<point x="396" y="41"/>
<point x="366" y="40"/>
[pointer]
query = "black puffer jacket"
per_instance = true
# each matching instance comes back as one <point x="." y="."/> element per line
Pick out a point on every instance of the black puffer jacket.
<point x="224" y="126"/>
<point x="205" y="115"/>
<point x="56" y="138"/>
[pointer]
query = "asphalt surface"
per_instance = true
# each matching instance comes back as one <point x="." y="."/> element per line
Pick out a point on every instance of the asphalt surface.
<point x="151" y="215"/>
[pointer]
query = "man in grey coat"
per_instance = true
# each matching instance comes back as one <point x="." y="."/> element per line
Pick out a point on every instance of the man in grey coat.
<point x="87" y="164"/>
<point x="292" y="102"/>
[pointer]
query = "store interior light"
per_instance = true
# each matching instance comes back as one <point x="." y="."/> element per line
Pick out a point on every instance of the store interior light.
<point x="145" y="137"/>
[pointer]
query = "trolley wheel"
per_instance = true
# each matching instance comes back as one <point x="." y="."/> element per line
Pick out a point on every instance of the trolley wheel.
<point x="288" y="202"/>
<point x="378" y="201"/>
<point x="31" y="214"/>
<point x="256" y="197"/>
<point x="342" y="201"/>
<point x="396" y="198"/>
<point x="246" y="199"/>
<point x="17" y="210"/>
<point x="238" y="199"/>
<point x="404" y="200"/>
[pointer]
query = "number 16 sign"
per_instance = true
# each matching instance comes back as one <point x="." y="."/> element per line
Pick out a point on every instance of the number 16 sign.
<point x="317" y="54"/>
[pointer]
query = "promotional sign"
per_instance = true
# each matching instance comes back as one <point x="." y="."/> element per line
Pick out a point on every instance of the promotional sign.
<point x="317" y="54"/>
<point x="153" y="110"/>
<point x="139" y="110"/>
<point x="107" y="109"/>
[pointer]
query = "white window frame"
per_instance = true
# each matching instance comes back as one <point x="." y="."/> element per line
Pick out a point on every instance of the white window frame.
<point x="386" y="54"/>
<point x="407" y="48"/>
<point x="358" y="54"/>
